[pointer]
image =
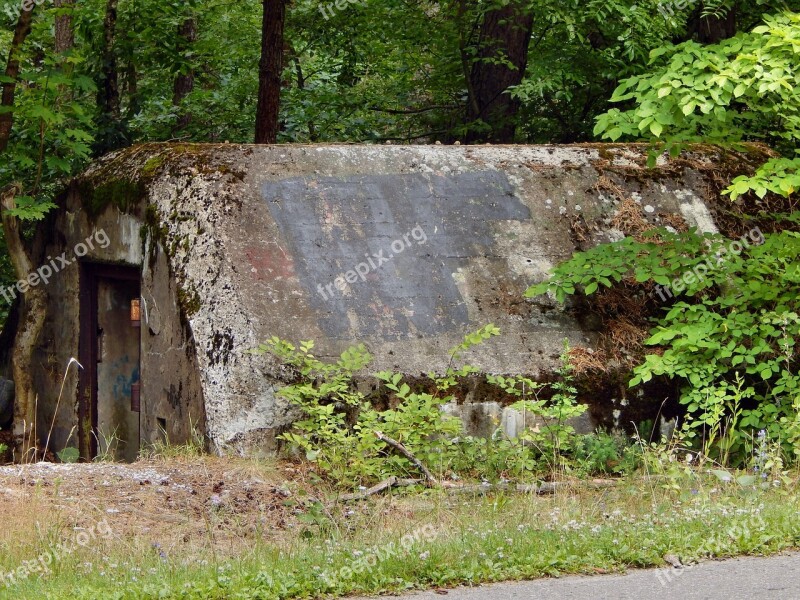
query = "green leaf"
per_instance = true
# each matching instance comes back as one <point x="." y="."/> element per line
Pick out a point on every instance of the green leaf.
<point x="723" y="476"/>
<point x="69" y="455"/>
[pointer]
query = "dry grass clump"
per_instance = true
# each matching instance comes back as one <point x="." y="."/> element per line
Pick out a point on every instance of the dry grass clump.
<point x="584" y="360"/>
<point x="629" y="219"/>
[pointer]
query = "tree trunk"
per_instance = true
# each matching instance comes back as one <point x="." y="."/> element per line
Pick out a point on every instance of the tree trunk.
<point x="111" y="133"/>
<point x="301" y="85"/>
<point x="108" y="92"/>
<point x="269" y="72"/>
<point x="21" y="32"/>
<point x="64" y="33"/>
<point x="505" y="34"/>
<point x="31" y="323"/>
<point x="132" y="89"/>
<point x="184" y="80"/>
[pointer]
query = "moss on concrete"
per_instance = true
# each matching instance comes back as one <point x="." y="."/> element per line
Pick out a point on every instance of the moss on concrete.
<point x="188" y="301"/>
<point x="123" y="193"/>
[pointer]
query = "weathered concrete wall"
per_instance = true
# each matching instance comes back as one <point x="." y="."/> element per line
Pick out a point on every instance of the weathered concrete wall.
<point x="402" y="248"/>
<point x="168" y="370"/>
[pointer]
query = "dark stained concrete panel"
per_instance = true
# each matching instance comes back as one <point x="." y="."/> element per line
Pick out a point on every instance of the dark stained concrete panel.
<point x="340" y="224"/>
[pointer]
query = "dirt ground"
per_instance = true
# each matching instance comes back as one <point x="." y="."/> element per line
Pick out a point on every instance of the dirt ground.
<point x="186" y="505"/>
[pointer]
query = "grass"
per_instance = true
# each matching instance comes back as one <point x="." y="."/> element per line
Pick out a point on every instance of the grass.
<point x="461" y="539"/>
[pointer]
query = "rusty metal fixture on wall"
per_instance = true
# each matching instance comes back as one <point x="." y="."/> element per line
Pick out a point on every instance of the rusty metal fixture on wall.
<point x="136" y="313"/>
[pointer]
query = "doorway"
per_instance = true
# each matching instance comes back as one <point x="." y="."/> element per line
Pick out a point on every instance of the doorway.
<point x="110" y="352"/>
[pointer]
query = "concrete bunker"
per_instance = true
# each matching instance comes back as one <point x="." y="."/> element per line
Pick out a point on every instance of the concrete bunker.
<point x="214" y="248"/>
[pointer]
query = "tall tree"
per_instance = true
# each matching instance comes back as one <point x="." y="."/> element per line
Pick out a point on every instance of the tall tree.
<point x="111" y="132"/>
<point x="30" y="325"/>
<point x="269" y="72"/>
<point x="32" y="318"/>
<point x="184" y="80"/>
<point x="21" y="31"/>
<point x="64" y="32"/>
<point x="501" y="58"/>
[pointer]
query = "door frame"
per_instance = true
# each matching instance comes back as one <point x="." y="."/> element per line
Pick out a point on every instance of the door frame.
<point x="90" y="274"/>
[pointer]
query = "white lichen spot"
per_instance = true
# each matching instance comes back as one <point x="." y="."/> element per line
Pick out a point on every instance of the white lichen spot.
<point x="695" y="212"/>
<point x="615" y="235"/>
<point x="562" y="210"/>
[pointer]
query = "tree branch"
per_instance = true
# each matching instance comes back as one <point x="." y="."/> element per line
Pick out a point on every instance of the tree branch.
<point x="413" y="111"/>
<point x="21" y="32"/>
<point x="431" y="480"/>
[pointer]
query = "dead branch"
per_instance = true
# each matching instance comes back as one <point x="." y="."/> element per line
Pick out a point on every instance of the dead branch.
<point x="543" y="489"/>
<point x="384" y="485"/>
<point x="431" y="480"/>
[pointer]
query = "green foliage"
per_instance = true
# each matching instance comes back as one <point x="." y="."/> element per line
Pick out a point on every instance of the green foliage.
<point x="551" y="433"/>
<point x="52" y="131"/>
<point x="744" y="88"/>
<point x="604" y="454"/>
<point x="581" y="50"/>
<point x="338" y="423"/>
<point x="338" y="426"/>
<point x="69" y="455"/>
<point x="730" y="334"/>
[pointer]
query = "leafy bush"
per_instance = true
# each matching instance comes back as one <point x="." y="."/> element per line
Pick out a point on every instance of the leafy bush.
<point x="730" y="334"/>
<point x="603" y="454"/>
<point x="339" y="424"/>
<point x="744" y="88"/>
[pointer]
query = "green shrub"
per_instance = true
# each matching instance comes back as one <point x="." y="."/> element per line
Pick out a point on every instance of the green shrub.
<point x="729" y="334"/>
<point x="338" y="426"/>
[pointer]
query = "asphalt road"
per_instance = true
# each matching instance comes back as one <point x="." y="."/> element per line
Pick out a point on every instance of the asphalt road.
<point x="774" y="578"/>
